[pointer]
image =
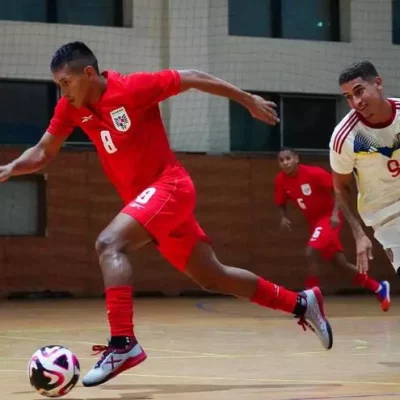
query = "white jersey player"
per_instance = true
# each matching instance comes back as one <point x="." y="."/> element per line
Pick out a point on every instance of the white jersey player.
<point x="366" y="143"/>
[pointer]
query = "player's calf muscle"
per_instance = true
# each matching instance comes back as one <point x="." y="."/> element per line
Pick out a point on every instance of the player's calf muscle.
<point x="219" y="278"/>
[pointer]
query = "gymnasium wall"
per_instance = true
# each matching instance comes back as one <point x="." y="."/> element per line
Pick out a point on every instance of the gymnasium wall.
<point x="234" y="193"/>
<point x="234" y="206"/>
<point x="194" y="34"/>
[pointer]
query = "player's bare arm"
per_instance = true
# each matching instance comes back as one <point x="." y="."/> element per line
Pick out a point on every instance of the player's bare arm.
<point x="258" y="107"/>
<point x="33" y="159"/>
<point x="285" y="221"/>
<point x="343" y="192"/>
<point x="335" y="220"/>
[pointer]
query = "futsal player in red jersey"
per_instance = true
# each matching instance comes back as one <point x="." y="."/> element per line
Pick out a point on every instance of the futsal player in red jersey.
<point x="310" y="188"/>
<point x="120" y="114"/>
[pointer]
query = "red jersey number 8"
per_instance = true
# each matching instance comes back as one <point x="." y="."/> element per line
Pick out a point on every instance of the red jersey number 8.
<point x="108" y="142"/>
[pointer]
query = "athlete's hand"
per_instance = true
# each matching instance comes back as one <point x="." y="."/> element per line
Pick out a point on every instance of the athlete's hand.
<point x="364" y="253"/>
<point x="335" y="220"/>
<point x="5" y="173"/>
<point x="286" y="224"/>
<point x="263" y="110"/>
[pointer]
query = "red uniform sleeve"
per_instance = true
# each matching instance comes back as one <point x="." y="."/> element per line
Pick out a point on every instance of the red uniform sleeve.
<point x="323" y="178"/>
<point x="150" y="88"/>
<point x="280" y="196"/>
<point x="61" y="123"/>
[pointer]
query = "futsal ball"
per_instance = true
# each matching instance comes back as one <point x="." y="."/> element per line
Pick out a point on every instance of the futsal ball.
<point x="53" y="371"/>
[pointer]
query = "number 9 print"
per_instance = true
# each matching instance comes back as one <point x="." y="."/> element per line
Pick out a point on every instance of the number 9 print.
<point x="394" y="168"/>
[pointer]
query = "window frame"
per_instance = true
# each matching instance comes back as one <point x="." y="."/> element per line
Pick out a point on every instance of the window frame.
<point x="120" y="7"/>
<point x="51" y="95"/>
<point x="394" y="41"/>
<point x="276" y="22"/>
<point x="282" y="96"/>
<point x="41" y="181"/>
<point x="307" y="96"/>
<point x="272" y="96"/>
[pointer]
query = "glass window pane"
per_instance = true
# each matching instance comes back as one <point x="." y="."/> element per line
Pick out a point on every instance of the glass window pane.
<point x="24" y="10"/>
<point x="396" y="21"/>
<point x="246" y="20"/>
<point x="308" y="122"/>
<point x="22" y="207"/>
<point x="249" y="134"/>
<point x="25" y="110"/>
<point x="89" y="12"/>
<point x="310" y="19"/>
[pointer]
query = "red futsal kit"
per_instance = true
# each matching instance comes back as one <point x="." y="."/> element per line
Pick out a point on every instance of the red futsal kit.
<point x="126" y="128"/>
<point x="311" y="190"/>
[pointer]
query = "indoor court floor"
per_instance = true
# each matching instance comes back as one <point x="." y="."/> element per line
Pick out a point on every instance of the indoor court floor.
<point x="213" y="348"/>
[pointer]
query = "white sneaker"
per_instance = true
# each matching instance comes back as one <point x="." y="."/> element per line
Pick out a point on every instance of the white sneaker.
<point x="314" y="317"/>
<point x="112" y="362"/>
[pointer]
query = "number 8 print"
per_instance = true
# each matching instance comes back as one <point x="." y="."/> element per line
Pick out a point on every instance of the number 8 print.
<point x="108" y="142"/>
<point x="145" y="196"/>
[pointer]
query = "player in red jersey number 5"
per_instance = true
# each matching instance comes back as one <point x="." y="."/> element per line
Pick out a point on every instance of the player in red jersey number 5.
<point x="120" y="114"/>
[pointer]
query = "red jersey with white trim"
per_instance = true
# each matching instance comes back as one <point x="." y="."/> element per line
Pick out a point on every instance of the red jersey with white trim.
<point x="372" y="153"/>
<point x="126" y="128"/>
<point x="311" y="190"/>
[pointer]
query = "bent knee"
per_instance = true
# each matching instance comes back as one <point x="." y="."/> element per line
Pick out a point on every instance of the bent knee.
<point x="106" y="243"/>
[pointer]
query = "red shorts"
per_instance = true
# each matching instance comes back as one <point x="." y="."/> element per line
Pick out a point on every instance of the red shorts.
<point x="326" y="239"/>
<point x="166" y="210"/>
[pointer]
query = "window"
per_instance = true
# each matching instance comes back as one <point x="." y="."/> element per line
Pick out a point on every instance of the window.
<point x="80" y="12"/>
<point x="249" y="134"/>
<point x="25" y="110"/>
<point x="287" y="19"/>
<point x="310" y="20"/>
<point x="24" y="10"/>
<point x="396" y="21"/>
<point x="89" y="12"/>
<point x="307" y="122"/>
<point x="23" y="206"/>
<point x="250" y="21"/>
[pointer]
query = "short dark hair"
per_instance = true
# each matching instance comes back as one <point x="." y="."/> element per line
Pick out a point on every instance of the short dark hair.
<point x="74" y="54"/>
<point x="360" y="69"/>
<point x="290" y="149"/>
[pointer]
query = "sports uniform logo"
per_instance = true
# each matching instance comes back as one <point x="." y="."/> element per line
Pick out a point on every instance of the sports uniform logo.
<point x="306" y="189"/>
<point x="88" y="118"/>
<point x="120" y="119"/>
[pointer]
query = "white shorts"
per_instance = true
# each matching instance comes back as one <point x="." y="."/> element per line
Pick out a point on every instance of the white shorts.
<point x="388" y="235"/>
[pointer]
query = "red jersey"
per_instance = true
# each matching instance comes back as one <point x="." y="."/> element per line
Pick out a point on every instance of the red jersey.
<point x="311" y="190"/>
<point x="126" y="127"/>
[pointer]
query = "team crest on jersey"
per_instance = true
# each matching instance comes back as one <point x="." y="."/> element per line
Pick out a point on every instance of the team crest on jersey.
<point x="120" y="119"/>
<point x="306" y="189"/>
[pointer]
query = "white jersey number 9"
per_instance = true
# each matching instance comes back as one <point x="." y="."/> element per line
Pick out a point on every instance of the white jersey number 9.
<point x="394" y="168"/>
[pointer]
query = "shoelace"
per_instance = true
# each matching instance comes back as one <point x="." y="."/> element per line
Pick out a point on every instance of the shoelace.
<point x="97" y="349"/>
<point x="305" y="324"/>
